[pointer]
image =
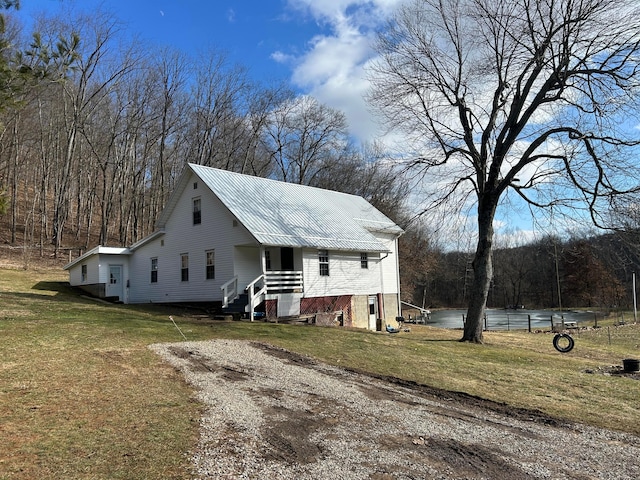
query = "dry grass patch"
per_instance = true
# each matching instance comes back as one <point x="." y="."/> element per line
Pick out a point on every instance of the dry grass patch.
<point x="82" y="396"/>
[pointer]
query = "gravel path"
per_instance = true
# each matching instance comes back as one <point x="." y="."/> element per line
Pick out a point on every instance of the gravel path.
<point x="272" y="414"/>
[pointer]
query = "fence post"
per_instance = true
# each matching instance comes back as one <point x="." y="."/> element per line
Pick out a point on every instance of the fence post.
<point x="485" y="323"/>
<point x="508" y="323"/>
<point x="529" y="322"/>
<point x="596" y="317"/>
<point x="552" y="323"/>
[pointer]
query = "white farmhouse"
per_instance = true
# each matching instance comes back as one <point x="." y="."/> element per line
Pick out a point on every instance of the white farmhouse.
<point x="260" y="247"/>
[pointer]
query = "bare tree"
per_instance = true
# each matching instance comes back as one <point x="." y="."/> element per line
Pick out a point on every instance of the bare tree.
<point x="529" y="96"/>
<point x="304" y="138"/>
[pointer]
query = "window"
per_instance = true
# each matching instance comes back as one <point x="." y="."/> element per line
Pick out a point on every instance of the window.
<point x="323" y="259"/>
<point x="84" y="273"/>
<point x="211" y="266"/>
<point x="197" y="214"/>
<point x="184" y="267"/>
<point x="364" y="260"/>
<point x="267" y="259"/>
<point x="154" y="270"/>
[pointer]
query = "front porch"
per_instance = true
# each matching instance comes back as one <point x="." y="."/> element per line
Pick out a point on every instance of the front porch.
<point x="272" y="285"/>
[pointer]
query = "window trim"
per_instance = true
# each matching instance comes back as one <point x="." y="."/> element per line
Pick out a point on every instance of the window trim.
<point x="323" y="262"/>
<point x="197" y="210"/>
<point x="184" y="270"/>
<point x="210" y="268"/>
<point x="154" y="270"/>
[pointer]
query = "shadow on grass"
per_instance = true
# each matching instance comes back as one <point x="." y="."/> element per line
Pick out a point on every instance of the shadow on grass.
<point x="60" y="287"/>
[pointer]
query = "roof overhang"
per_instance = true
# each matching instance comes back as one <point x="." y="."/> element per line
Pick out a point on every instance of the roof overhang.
<point x="99" y="250"/>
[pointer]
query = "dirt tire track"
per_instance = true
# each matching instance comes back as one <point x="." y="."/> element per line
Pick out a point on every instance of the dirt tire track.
<point x="274" y="414"/>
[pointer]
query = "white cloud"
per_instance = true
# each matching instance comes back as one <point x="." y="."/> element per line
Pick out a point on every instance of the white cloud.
<point x="332" y="66"/>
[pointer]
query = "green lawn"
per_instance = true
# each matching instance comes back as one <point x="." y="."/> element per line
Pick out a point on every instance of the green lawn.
<point x="81" y="395"/>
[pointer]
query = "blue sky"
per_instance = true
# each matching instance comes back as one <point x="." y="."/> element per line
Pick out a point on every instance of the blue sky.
<point x="318" y="46"/>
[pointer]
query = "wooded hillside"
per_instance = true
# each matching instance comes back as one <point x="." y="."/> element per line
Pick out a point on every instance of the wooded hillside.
<point x="95" y="128"/>
<point x="99" y="127"/>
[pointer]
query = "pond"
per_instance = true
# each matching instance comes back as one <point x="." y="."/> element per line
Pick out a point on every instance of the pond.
<point x="502" y="319"/>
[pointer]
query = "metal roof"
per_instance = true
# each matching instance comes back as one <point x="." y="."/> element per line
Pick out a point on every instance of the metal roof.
<point x="98" y="250"/>
<point x="286" y="214"/>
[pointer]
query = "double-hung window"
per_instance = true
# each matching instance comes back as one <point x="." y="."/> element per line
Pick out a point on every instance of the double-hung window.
<point x="364" y="260"/>
<point x="323" y="261"/>
<point x="184" y="267"/>
<point x="211" y="265"/>
<point x="154" y="270"/>
<point x="84" y="273"/>
<point x="197" y="211"/>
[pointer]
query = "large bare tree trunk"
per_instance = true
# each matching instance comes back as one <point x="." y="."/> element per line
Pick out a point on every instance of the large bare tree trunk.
<point x="482" y="274"/>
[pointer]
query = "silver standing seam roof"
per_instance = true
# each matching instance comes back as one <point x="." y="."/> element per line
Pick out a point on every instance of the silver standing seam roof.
<point x="291" y="215"/>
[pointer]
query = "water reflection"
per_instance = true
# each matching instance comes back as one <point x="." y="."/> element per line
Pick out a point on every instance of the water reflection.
<point x="500" y="319"/>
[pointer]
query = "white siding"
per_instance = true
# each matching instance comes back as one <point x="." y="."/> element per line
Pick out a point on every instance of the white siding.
<point x="346" y="277"/>
<point x="106" y="260"/>
<point x="75" y="272"/>
<point x="217" y="231"/>
<point x="248" y="265"/>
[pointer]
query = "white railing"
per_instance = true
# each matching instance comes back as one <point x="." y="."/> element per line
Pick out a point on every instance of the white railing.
<point x="229" y="292"/>
<point x="284" y="281"/>
<point x="256" y="291"/>
<point x="271" y="282"/>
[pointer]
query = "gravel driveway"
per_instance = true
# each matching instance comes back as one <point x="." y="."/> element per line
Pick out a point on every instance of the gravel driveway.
<point x="273" y="414"/>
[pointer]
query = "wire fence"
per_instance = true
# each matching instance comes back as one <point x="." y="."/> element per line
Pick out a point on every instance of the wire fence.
<point x="504" y="320"/>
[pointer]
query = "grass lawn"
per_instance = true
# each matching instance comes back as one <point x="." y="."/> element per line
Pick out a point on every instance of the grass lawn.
<point x="81" y="395"/>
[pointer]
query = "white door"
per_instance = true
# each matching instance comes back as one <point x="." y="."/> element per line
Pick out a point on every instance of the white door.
<point x="114" y="287"/>
<point x="373" y="312"/>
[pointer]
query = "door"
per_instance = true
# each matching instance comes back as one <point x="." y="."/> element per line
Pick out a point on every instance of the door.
<point x="373" y="312"/>
<point x="114" y="286"/>
<point x="286" y="259"/>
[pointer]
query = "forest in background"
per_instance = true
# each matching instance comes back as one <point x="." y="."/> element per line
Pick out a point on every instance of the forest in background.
<point x="101" y="126"/>
<point x="595" y="272"/>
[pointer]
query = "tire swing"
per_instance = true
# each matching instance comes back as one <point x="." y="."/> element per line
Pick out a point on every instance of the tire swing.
<point x="563" y="342"/>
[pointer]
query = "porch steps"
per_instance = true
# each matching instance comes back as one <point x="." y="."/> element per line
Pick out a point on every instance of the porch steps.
<point x="238" y="305"/>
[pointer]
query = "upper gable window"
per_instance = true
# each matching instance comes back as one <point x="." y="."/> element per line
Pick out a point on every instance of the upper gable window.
<point x="197" y="211"/>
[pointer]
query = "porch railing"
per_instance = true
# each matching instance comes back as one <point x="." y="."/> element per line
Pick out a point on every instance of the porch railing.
<point x="284" y="281"/>
<point x="229" y="292"/>
<point x="272" y="282"/>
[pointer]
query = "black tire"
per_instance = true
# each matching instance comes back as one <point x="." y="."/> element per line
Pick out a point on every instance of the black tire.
<point x="563" y="342"/>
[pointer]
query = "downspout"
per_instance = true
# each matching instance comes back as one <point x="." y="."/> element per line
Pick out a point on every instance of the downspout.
<point x="398" y="279"/>
<point x="381" y="294"/>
